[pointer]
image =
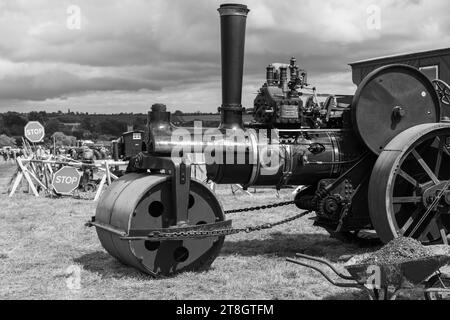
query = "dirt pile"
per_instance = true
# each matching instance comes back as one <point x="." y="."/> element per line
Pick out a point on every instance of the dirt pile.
<point x="397" y="251"/>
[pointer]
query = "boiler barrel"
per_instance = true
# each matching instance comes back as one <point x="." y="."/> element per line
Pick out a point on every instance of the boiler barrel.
<point x="248" y="157"/>
<point x="319" y="154"/>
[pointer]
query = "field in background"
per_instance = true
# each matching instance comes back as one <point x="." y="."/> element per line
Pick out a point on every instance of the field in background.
<point x="6" y="172"/>
<point x="42" y="242"/>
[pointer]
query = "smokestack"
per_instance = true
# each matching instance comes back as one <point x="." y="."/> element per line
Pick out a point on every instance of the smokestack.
<point x="232" y="25"/>
<point x="270" y="75"/>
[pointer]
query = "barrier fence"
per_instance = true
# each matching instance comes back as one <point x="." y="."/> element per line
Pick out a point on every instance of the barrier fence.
<point x="38" y="174"/>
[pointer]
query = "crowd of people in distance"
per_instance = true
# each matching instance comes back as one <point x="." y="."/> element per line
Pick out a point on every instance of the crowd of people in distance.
<point x="10" y="154"/>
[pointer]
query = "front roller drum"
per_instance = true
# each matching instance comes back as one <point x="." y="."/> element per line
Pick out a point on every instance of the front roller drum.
<point x="145" y="202"/>
<point x="409" y="191"/>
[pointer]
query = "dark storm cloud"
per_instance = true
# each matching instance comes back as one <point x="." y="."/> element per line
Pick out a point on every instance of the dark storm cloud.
<point x="111" y="34"/>
<point x="53" y="84"/>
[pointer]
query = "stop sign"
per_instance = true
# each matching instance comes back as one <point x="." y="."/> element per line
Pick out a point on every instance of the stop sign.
<point x="34" y="131"/>
<point x="66" y="180"/>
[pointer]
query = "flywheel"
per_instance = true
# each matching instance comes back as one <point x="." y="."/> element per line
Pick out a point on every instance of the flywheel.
<point x="409" y="191"/>
<point x="145" y="202"/>
<point x="391" y="100"/>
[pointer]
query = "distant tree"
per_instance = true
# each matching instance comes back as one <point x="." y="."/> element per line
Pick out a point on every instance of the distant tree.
<point x="15" y="123"/>
<point x="6" y="141"/>
<point x="86" y="123"/>
<point x="67" y="131"/>
<point x="3" y="128"/>
<point x="38" y="116"/>
<point x="68" y="118"/>
<point x="62" y="140"/>
<point x="178" y="113"/>
<point x="111" y="127"/>
<point x="139" y="123"/>
<point x="52" y="126"/>
<point x="78" y="134"/>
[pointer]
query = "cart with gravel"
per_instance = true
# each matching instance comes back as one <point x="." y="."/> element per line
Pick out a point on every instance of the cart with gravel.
<point x="402" y="265"/>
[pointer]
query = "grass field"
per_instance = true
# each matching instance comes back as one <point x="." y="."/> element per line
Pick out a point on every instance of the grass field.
<point x="42" y="239"/>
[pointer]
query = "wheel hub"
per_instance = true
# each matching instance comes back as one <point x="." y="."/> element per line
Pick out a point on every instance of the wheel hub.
<point x="430" y="194"/>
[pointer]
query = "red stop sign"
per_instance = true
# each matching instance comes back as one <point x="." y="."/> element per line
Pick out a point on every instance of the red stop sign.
<point x="66" y="180"/>
<point x="34" y="131"/>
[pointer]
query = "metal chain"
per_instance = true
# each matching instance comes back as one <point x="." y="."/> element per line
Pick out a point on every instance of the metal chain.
<point x="223" y="232"/>
<point x="265" y="207"/>
<point x="199" y="234"/>
<point x="275" y="224"/>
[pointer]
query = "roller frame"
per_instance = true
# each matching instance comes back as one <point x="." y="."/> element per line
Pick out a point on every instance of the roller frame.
<point x="180" y="169"/>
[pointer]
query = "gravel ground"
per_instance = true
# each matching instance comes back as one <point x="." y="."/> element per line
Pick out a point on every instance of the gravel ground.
<point x="395" y="252"/>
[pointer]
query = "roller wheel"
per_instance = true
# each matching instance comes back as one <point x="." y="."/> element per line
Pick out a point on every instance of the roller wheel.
<point x="406" y="196"/>
<point x="143" y="201"/>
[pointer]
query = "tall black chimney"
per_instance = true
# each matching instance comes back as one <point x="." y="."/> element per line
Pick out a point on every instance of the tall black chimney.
<point x="232" y="25"/>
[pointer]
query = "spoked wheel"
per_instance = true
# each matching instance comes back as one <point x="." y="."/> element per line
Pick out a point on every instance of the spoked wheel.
<point x="438" y="282"/>
<point x="443" y="91"/>
<point x="144" y="202"/>
<point x="409" y="192"/>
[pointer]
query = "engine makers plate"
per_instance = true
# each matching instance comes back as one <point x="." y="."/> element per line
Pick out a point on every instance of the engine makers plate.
<point x="289" y="112"/>
<point x="391" y="100"/>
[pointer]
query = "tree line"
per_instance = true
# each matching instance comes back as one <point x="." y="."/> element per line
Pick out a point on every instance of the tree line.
<point x="72" y="126"/>
<point x="82" y="126"/>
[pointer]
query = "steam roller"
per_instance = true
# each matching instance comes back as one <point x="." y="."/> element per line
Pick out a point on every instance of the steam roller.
<point x="377" y="160"/>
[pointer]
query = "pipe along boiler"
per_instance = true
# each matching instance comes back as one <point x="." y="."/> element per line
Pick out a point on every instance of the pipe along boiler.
<point x="377" y="160"/>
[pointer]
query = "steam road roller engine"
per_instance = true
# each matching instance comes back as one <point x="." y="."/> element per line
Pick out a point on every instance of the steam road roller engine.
<point x="377" y="160"/>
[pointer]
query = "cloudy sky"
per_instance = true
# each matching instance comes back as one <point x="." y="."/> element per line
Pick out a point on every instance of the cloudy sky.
<point x="129" y="54"/>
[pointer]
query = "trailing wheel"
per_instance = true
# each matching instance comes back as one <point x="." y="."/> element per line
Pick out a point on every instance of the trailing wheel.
<point x="139" y="202"/>
<point x="409" y="191"/>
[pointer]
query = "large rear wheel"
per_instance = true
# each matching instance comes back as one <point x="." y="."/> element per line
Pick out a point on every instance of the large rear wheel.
<point x="409" y="188"/>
